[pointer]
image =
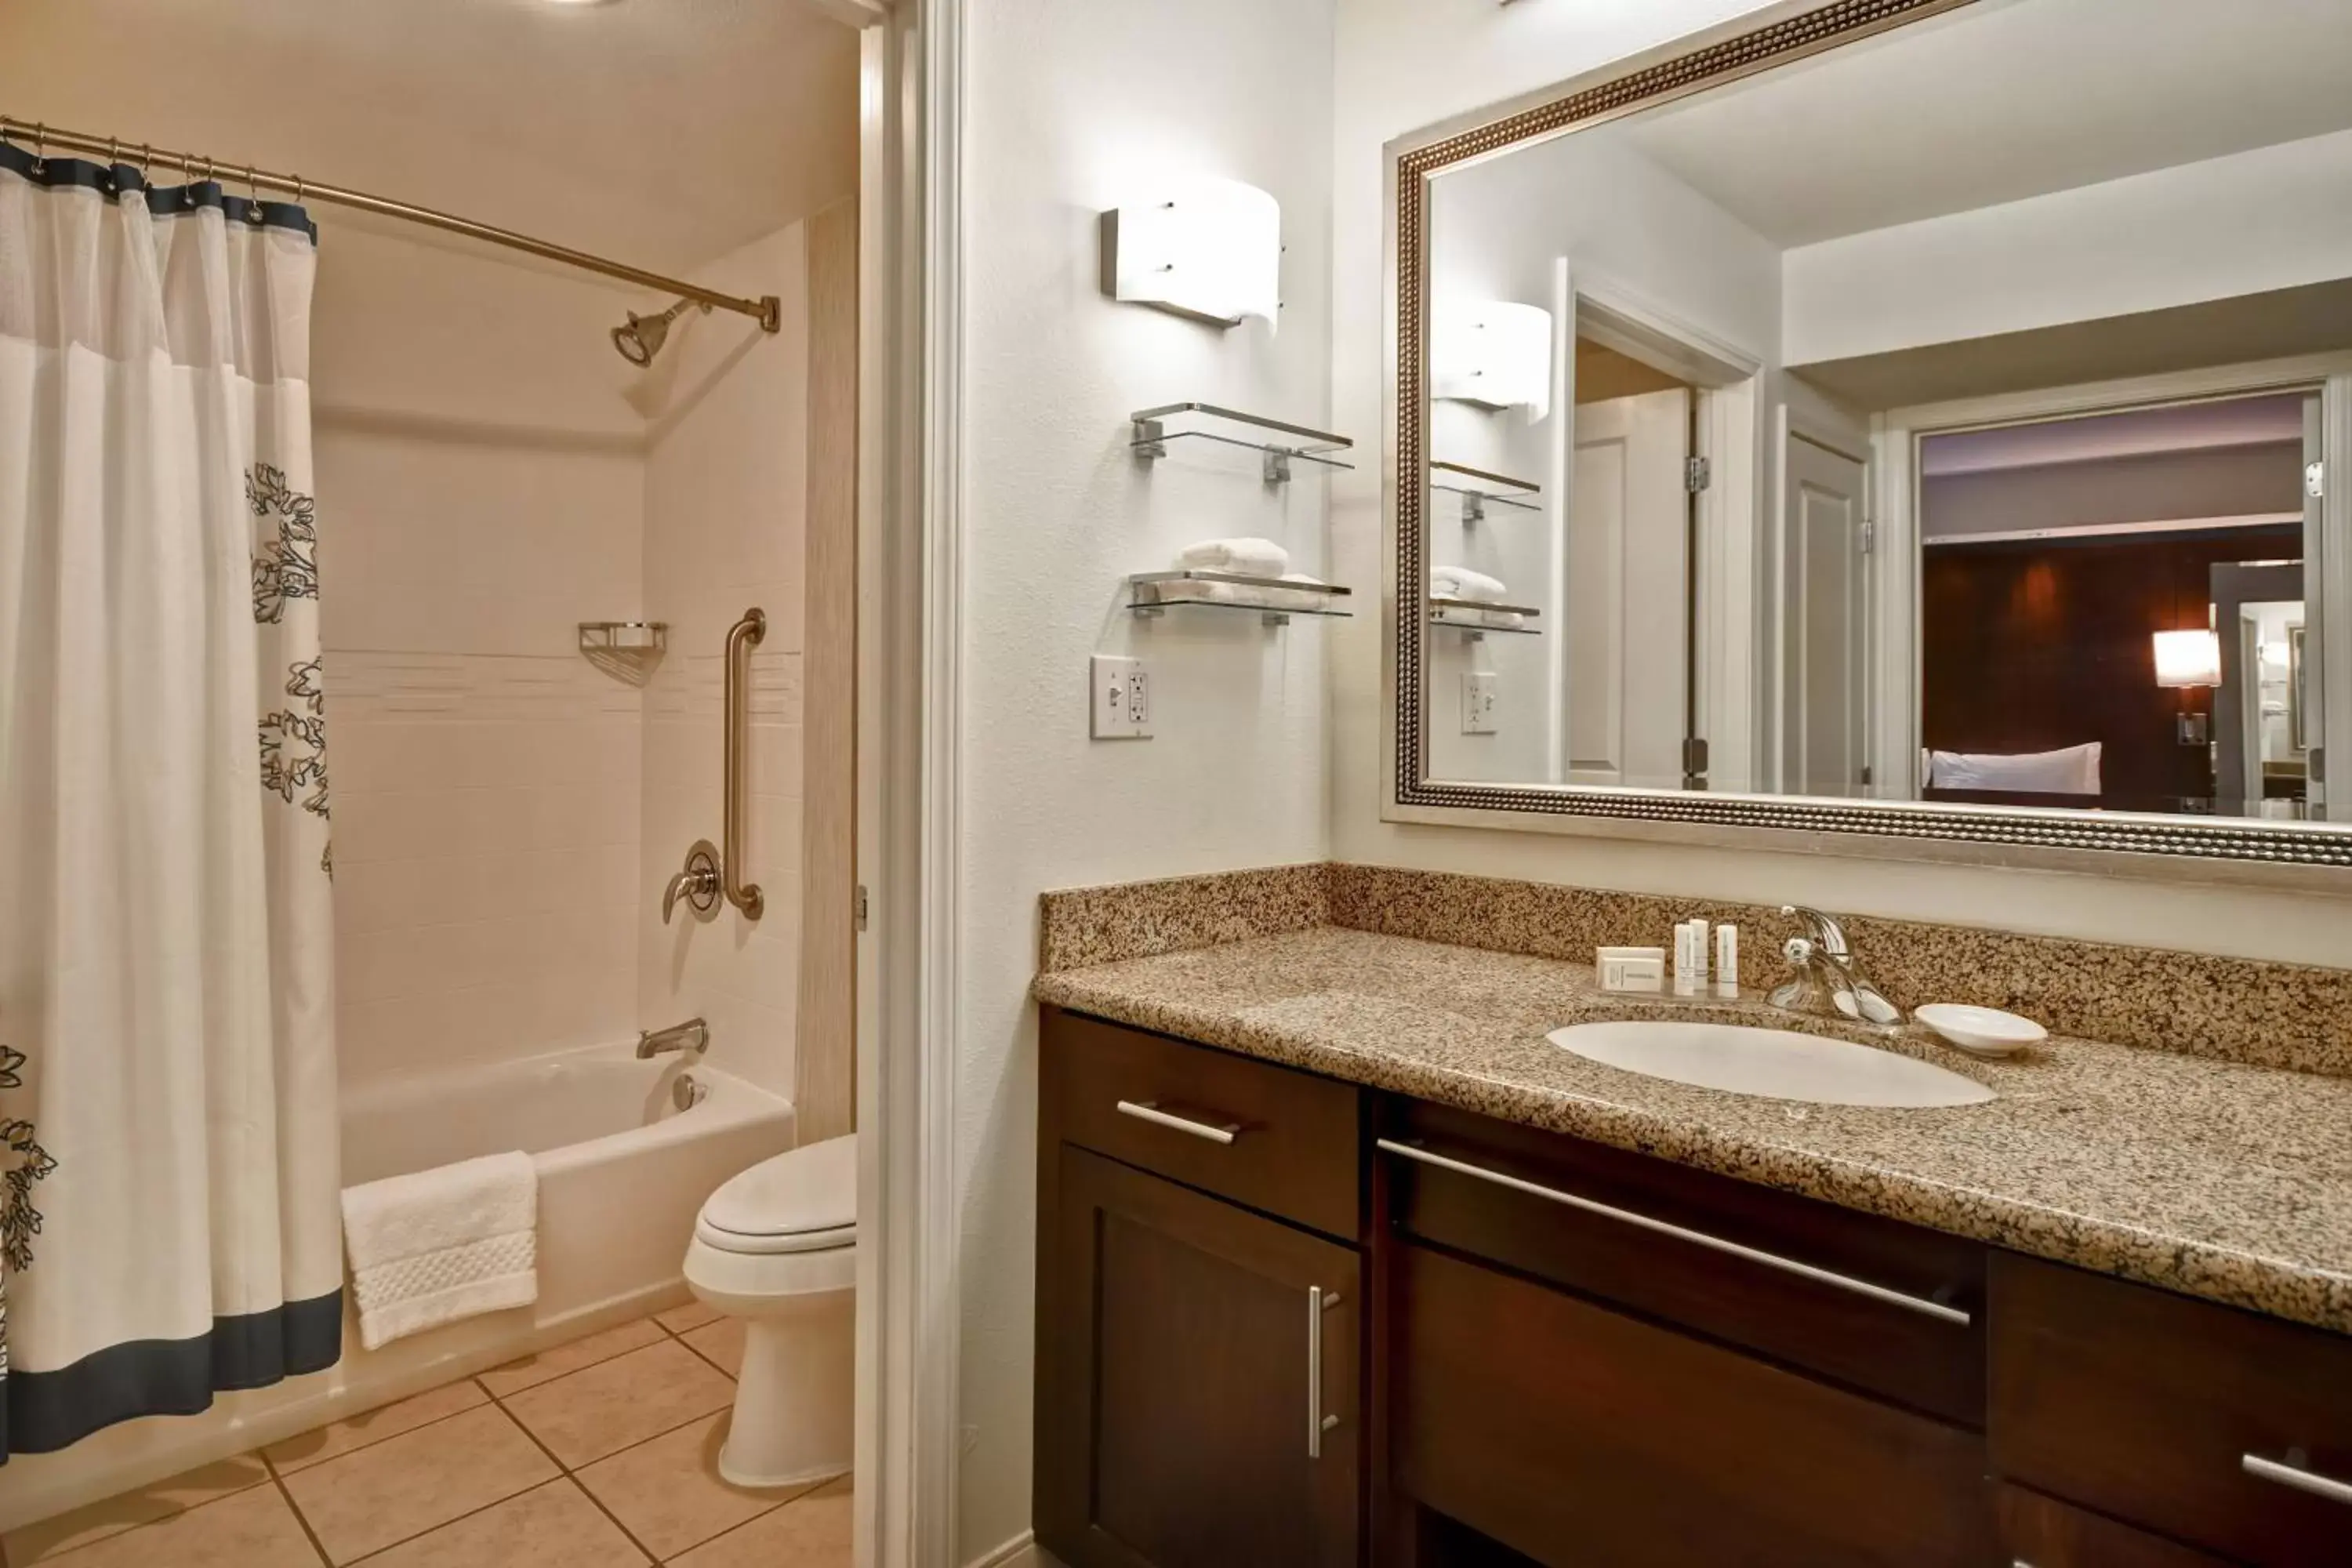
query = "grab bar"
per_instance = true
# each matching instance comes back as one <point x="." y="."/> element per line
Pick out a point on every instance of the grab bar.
<point x="742" y="637"/>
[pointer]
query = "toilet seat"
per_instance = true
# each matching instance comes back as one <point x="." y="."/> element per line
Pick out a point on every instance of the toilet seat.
<point x="802" y="1201"/>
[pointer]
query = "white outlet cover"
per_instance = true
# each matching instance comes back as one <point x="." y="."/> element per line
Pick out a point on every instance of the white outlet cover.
<point x="1480" y="690"/>
<point x="1120" y="699"/>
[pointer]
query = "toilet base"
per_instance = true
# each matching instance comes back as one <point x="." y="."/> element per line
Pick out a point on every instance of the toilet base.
<point x="795" y="1394"/>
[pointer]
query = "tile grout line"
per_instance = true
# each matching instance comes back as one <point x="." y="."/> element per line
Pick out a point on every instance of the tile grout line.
<point x="807" y="1491"/>
<point x="577" y="1484"/>
<point x="301" y="1519"/>
<point x="324" y="1556"/>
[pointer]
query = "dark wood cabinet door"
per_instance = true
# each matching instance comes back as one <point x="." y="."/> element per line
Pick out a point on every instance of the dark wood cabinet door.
<point x="1197" y="1370"/>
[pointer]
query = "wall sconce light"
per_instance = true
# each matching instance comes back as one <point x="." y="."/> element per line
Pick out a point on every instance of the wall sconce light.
<point x="2188" y="658"/>
<point x="1493" y="354"/>
<point x="1207" y="248"/>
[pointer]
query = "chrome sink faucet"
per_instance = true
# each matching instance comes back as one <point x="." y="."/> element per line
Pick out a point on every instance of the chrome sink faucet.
<point x="1828" y="981"/>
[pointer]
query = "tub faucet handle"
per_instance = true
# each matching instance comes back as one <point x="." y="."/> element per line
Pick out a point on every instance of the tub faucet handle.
<point x="698" y="884"/>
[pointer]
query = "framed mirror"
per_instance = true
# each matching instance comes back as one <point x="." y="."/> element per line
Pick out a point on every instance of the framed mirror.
<point x="1902" y="423"/>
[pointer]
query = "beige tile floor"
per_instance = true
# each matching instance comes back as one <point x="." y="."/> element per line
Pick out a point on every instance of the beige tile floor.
<point x="601" y="1453"/>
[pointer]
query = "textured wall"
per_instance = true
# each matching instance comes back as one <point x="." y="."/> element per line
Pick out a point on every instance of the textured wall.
<point x="1076" y="105"/>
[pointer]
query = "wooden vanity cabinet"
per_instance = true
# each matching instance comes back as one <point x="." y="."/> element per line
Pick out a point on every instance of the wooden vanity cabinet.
<point x="2214" y="1426"/>
<point x="1282" y="1320"/>
<point x="1200" y="1351"/>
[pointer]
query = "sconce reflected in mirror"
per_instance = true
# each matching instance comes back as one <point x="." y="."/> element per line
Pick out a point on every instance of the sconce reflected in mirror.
<point x="1493" y="354"/>
<point x="2188" y="658"/>
<point x="1207" y="248"/>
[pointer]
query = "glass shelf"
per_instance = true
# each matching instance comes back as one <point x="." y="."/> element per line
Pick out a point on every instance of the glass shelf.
<point x="1276" y="599"/>
<point x="1151" y="435"/>
<point x="1475" y="617"/>
<point x="1485" y="489"/>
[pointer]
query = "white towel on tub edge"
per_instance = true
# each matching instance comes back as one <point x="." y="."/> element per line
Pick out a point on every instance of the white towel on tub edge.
<point x="438" y="1246"/>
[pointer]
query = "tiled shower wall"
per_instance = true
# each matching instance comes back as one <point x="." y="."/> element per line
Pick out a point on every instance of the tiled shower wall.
<point x="506" y="813"/>
<point x="725" y="501"/>
<point x="485" y="776"/>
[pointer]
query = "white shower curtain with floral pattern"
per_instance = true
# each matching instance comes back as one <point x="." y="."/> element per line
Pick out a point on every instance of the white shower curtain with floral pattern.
<point x="165" y="936"/>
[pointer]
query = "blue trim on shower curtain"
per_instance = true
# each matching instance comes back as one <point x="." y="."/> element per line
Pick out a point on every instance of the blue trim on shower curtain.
<point x="164" y="201"/>
<point x="45" y="1411"/>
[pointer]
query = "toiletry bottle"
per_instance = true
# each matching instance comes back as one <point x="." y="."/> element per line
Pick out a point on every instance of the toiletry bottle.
<point x="1726" y="960"/>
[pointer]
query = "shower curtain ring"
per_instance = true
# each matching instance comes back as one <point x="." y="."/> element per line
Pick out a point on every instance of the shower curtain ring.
<point x="40" y="148"/>
<point x="253" y="198"/>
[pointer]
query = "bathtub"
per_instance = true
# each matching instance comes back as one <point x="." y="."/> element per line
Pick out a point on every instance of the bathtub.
<point x="622" y="1173"/>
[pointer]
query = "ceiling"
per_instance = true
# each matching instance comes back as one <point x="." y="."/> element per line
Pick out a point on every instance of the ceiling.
<point x="2003" y="100"/>
<point x="2312" y="319"/>
<point x="2271" y="421"/>
<point x="659" y="133"/>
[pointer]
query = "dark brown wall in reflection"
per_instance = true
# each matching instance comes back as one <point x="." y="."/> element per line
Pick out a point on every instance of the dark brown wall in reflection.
<point x="2032" y="646"/>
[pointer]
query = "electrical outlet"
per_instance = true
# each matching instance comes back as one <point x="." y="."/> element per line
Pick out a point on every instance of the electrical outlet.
<point x="1481" y="689"/>
<point x="1121" y="699"/>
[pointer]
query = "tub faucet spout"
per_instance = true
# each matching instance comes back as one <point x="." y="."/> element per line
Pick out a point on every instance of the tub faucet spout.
<point x="694" y="1034"/>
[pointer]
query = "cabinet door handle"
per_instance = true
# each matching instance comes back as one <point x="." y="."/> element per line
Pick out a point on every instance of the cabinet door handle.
<point x="1144" y="1111"/>
<point x="1920" y="1304"/>
<point x="2298" y="1478"/>
<point x="1319" y="1302"/>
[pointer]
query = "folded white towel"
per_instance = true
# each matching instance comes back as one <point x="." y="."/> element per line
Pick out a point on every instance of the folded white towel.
<point x="1294" y="600"/>
<point x="441" y="1245"/>
<point x="1462" y="582"/>
<point x="1244" y="557"/>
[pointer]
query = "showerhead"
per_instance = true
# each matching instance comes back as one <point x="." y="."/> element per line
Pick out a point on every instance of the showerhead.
<point x="643" y="337"/>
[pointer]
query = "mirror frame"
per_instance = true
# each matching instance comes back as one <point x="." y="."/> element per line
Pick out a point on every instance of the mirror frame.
<point x="2109" y="843"/>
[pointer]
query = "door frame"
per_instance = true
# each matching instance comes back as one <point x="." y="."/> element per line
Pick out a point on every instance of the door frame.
<point x="909" y="493"/>
<point x="1728" y="432"/>
<point x="1893" y="486"/>
<point x="1851" y="442"/>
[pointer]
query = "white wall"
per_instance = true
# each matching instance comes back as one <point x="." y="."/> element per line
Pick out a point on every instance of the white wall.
<point x="2276" y="218"/>
<point x="1073" y="104"/>
<point x="1401" y="65"/>
<point x="726" y="498"/>
<point x="1625" y="226"/>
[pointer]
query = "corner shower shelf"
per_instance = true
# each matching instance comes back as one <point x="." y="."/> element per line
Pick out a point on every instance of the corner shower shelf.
<point x="1276" y="599"/>
<point x="1491" y="489"/>
<point x="625" y="650"/>
<point x="1475" y="617"/>
<point x="1151" y="437"/>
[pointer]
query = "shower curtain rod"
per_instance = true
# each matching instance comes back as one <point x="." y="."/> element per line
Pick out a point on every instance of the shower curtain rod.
<point x="767" y="310"/>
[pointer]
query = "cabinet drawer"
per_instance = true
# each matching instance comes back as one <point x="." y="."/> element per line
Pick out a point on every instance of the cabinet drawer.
<point x="1579" y="1436"/>
<point x="2225" y="1428"/>
<point x="2037" y="1531"/>
<point x="1886" y="1307"/>
<point x="1275" y="1140"/>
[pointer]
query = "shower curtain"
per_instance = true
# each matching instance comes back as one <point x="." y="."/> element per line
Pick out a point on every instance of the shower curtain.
<point x="164" y="921"/>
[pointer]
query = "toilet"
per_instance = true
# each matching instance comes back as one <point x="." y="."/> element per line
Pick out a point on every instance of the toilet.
<point x="777" y="1246"/>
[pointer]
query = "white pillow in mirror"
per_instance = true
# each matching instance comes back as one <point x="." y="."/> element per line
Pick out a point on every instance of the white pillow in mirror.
<point x="2072" y="771"/>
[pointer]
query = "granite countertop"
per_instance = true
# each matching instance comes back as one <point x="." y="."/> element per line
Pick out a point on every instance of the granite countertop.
<point x="2210" y="1177"/>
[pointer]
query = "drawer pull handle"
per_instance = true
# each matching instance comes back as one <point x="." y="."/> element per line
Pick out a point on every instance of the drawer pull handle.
<point x="2298" y="1478"/>
<point x="1697" y="1238"/>
<point x="1319" y="1302"/>
<point x="1144" y="1111"/>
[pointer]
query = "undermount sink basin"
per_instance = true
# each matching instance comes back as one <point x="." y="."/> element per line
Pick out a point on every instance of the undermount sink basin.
<point x="1774" y="1064"/>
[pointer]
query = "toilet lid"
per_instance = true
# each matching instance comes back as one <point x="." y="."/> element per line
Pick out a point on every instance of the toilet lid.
<point x="805" y="1193"/>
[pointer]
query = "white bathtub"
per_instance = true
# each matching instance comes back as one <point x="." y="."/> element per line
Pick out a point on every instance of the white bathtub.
<point x="621" y="1173"/>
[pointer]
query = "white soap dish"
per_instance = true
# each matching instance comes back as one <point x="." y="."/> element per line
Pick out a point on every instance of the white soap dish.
<point x="1982" y="1031"/>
